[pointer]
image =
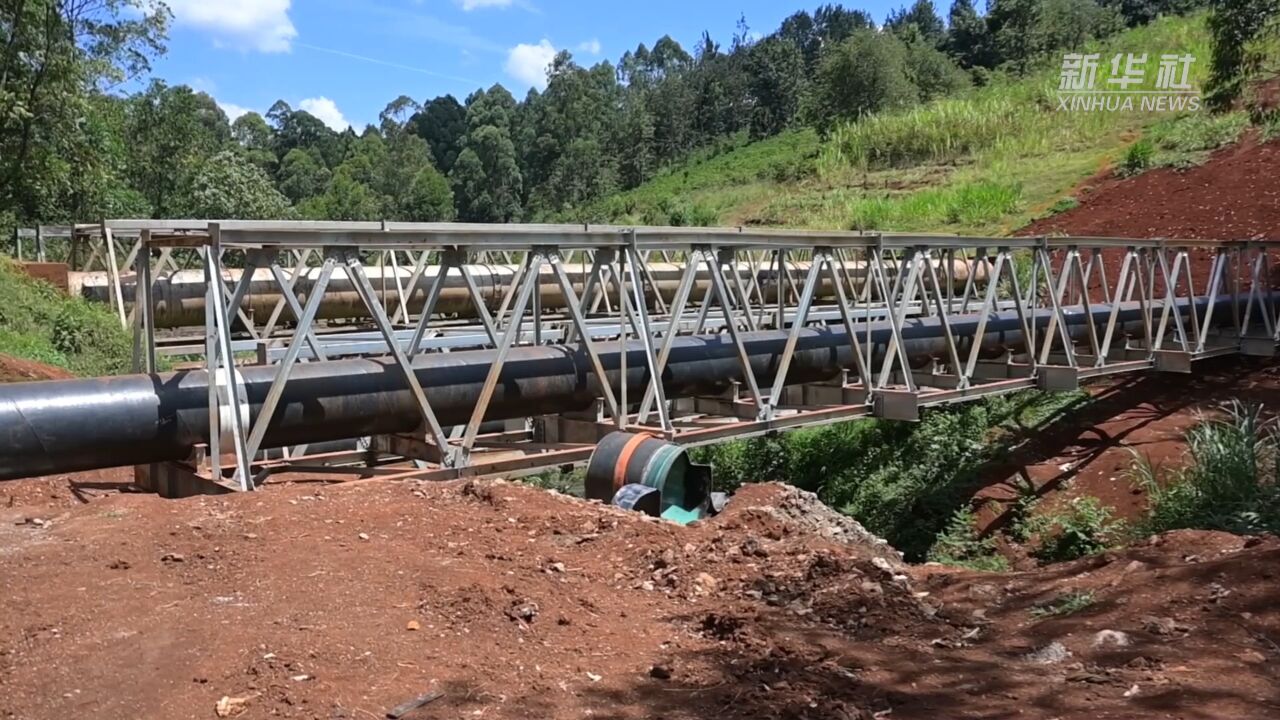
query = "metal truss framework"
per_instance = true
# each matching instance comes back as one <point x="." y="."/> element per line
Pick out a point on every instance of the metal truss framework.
<point x="758" y="280"/>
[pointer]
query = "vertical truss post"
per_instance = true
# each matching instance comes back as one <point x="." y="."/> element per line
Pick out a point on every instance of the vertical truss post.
<point x="574" y="308"/>
<point x="144" y="328"/>
<point x="943" y="317"/>
<point x="846" y="318"/>
<point x="1123" y="280"/>
<point x="678" y="305"/>
<point x="1170" y="302"/>
<point x="770" y="405"/>
<point x="1215" y="285"/>
<point x="113" y="269"/>
<point x="227" y="368"/>
<point x="896" y="308"/>
<point x="1259" y="279"/>
<point x="1057" y="321"/>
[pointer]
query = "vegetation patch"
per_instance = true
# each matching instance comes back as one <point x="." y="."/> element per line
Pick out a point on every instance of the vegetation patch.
<point x="1230" y="482"/>
<point x="37" y="322"/>
<point x="1063" y="605"/>
<point x="904" y="482"/>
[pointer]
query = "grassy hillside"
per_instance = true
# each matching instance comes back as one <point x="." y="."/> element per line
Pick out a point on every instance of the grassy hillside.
<point x="37" y="322"/>
<point x="987" y="162"/>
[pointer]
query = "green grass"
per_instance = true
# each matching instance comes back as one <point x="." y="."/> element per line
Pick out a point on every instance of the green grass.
<point x="39" y="323"/>
<point x="1229" y="483"/>
<point x="1063" y="605"/>
<point x="1082" y="528"/>
<point x="711" y="185"/>
<point x="1187" y="140"/>
<point x="986" y="162"/>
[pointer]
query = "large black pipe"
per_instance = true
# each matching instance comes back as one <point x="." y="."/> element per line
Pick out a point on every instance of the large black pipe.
<point x="71" y="425"/>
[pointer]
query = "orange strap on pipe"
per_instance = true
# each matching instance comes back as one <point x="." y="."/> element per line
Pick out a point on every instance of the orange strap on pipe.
<point x="624" y="458"/>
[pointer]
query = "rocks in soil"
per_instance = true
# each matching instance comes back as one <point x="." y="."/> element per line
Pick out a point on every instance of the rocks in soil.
<point x="1105" y="638"/>
<point x="1051" y="654"/>
<point x="523" y="611"/>
<point x="1162" y="625"/>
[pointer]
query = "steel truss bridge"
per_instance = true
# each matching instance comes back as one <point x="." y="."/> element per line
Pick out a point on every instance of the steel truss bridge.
<point x="499" y="350"/>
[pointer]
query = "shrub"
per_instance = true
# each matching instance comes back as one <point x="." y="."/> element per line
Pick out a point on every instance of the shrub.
<point x="1138" y="157"/>
<point x="1063" y="605"/>
<point x="1230" y="483"/>
<point x="959" y="544"/>
<point x="1085" y="527"/>
<point x="1063" y="205"/>
<point x="42" y="324"/>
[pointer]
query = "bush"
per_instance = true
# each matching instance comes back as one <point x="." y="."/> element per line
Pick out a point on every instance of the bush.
<point x="959" y="544"/>
<point x="1085" y="527"/>
<point x="1230" y="483"/>
<point x="1139" y="157"/>
<point x="40" y="323"/>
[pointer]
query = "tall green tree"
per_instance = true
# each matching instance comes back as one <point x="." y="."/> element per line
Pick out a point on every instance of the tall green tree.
<point x="867" y="73"/>
<point x="228" y="185"/>
<point x="56" y="58"/>
<point x="777" y="72"/>
<point x="442" y="122"/>
<point x="171" y="131"/>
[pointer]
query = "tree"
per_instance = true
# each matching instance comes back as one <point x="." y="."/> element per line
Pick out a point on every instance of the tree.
<point x="967" y="38"/>
<point x="442" y="122"/>
<point x="229" y="186"/>
<point x="777" y="70"/>
<point x="1236" y="25"/>
<point x="170" y="132"/>
<point x="920" y="22"/>
<point x="346" y="198"/>
<point x="303" y="175"/>
<point x="56" y="58"/>
<point x="429" y="198"/>
<point x="933" y="73"/>
<point x="867" y="73"/>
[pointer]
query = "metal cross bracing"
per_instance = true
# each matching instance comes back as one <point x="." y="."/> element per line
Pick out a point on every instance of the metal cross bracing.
<point x="749" y="331"/>
<point x="803" y="328"/>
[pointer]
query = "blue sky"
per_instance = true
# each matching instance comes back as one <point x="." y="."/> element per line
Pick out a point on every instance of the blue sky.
<point x="345" y="60"/>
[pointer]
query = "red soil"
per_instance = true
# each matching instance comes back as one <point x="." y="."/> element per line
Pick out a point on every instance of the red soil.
<point x="14" y="369"/>
<point x="1235" y="195"/>
<point x="315" y="601"/>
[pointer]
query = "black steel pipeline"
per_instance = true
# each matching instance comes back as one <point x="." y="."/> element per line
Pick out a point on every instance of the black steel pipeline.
<point x="71" y="425"/>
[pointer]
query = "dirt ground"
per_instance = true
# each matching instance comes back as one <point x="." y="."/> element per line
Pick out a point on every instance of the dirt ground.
<point x="343" y="601"/>
<point x="14" y="369"/>
<point x="1092" y="451"/>
<point x="1233" y="196"/>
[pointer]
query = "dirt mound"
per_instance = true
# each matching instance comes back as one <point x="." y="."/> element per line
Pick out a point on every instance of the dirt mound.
<point x="1232" y="196"/>
<point x="14" y="369"/>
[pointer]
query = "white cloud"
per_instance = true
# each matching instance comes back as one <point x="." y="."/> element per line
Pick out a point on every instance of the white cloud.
<point x="261" y="25"/>
<point x="528" y="63"/>
<point x="326" y="111"/>
<point x="470" y="5"/>
<point x="233" y="110"/>
<point x="591" y="46"/>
